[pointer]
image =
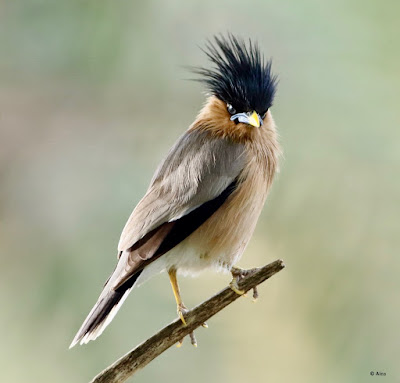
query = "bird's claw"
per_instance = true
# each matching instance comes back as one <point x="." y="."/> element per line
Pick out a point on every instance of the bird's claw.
<point x="179" y="344"/>
<point x="238" y="274"/>
<point x="255" y="294"/>
<point x="182" y="310"/>
<point x="235" y="287"/>
<point x="193" y="340"/>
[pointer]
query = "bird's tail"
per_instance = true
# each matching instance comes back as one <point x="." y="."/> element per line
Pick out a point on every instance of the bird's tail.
<point x="104" y="310"/>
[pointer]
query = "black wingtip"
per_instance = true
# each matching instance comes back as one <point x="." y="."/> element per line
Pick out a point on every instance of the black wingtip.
<point x="103" y="311"/>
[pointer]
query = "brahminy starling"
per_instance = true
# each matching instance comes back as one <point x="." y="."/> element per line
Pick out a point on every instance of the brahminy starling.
<point x="206" y="196"/>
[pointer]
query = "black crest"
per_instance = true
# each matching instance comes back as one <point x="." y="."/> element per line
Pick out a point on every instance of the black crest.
<point x="240" y="76"/>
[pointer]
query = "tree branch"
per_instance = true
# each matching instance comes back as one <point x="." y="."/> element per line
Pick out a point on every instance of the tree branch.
<point x="144" y="353"/>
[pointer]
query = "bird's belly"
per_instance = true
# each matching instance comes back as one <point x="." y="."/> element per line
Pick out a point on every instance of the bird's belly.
<point x="185" y="258"/>
<point x="220" y="241"/>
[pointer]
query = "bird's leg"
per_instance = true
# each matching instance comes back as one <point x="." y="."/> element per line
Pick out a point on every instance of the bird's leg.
<point x="238" y="274"/>
<point x="181" y="308"/>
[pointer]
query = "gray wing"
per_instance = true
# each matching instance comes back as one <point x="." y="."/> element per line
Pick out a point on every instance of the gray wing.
<point x="197" y="169"/>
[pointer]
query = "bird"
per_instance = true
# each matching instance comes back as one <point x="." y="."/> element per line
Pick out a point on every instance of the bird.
<point x="206" y="196"/>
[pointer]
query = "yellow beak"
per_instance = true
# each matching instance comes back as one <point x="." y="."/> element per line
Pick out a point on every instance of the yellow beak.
<point x="254" y="120"/>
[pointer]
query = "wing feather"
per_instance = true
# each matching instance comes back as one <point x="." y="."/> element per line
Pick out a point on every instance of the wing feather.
<point x="197" y="169"/>
<point x="167" y="236"/>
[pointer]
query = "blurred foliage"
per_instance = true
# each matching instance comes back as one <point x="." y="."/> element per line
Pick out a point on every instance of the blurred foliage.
<point x="93" y="95"/>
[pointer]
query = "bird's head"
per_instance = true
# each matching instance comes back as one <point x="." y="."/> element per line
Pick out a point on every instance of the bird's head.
<point x="241" y="86"/>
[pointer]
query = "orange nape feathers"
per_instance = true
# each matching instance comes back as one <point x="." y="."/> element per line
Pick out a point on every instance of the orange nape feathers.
<point x="215" y="119"/>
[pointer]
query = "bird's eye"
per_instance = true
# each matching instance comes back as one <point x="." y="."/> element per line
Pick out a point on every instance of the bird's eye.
<point x="231" y="109"/>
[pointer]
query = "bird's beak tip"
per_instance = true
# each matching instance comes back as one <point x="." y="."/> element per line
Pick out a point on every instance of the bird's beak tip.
<point x="254" y="120"/>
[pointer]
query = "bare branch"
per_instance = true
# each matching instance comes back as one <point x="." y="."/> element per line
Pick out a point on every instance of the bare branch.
<point x="144" y="353"/>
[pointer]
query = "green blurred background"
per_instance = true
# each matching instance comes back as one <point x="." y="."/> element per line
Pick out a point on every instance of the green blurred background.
<point x="93" y="93"/>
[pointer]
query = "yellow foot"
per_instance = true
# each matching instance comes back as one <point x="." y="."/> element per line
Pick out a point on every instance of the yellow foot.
<point x="234" y="286"/>
<point x="182" y="310"/>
